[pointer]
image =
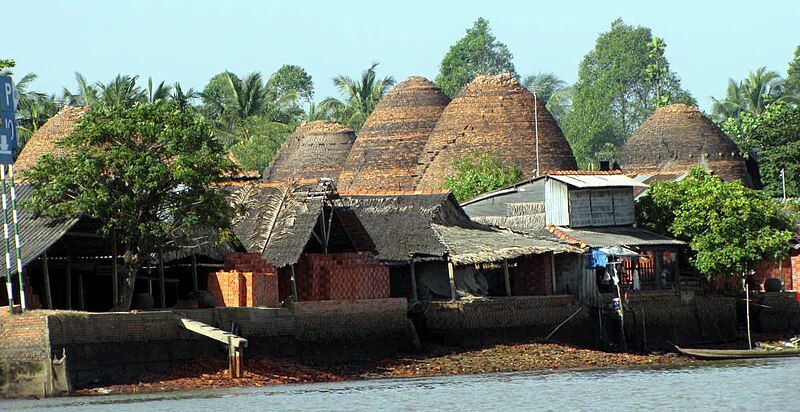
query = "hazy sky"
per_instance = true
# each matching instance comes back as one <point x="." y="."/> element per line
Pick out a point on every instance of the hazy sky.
<point x="190" y="41"/>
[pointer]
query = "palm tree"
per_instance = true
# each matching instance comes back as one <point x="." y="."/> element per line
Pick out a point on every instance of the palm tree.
<point x="33" y="109"/>
<point x="183" y="98"/>
<point x="753" y="94"/>
<point x="87" y="93"/>
<point x="360" y="97"/>
<point x="556" y="93"/>
<point x="162" y="92"/>
<point x="122" y="92"/>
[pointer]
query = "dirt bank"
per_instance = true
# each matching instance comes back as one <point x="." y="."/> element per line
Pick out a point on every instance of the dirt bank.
<point x="434" y="361"/>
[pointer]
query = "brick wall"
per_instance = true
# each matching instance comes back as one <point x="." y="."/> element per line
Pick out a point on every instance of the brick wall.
<point x="25" y="368"/>
<point x="532" y="276"/>
<point x="785" y="271"/>
<point x="246" y="280"/>
<point x="341" y="276"/>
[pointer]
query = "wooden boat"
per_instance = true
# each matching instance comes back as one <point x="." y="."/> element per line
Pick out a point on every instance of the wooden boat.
<point x="737" y="354"/>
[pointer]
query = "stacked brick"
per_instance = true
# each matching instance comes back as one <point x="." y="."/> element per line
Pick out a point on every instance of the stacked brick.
<point x="246" y="280"/>
<point x="494" y="113"/>
<point x="341" y="276"/>
<point x="315" y="150"/>
<point x="532" y="276"/>
<point x="385" y="154"/>
<point x="678" y="137"/>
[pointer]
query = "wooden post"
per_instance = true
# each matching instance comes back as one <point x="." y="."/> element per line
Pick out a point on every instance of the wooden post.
<point x="69" y="281"/>
<point x="114" y="269"/>
<point x="553" y="271"/>
<point x="194" y="272"/>
<point x="747" y="311"/>
<point x="414" y="296"/>
<point x="161" y="282"/>
<point x="81" y="296"/>
<point x="46" y="273"/>
<point x="295" y="298"/>
<point x="452" y="275"/>
<point x="506" y="277"/>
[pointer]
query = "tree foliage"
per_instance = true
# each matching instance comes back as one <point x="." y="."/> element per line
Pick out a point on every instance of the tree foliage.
<point x="614" y="93"/>
<point x="752" y="95"/>
<point x="479" y="173"/>
<point x="773" y="137"/>
<point x="360" y="97"/>
<point x="793" y="73"/>
<point x="257" y="142"/>
<point x="729" y="227"/>
<point x="549" y="88"/>
<point x="478" y="52"/>
<point x="148" y="173"/>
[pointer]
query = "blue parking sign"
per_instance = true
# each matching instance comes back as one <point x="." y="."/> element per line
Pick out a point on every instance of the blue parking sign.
<point x="8" y="121"/>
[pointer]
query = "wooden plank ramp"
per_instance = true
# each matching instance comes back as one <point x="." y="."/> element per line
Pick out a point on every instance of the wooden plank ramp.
<point x="236" y="344"/>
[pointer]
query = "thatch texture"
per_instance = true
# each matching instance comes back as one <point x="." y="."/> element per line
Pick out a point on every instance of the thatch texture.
<point x="281" y="224"/>
<point x="43" y="141"/>
<point x="385" y="154"/>
<point x="676" y="138"/>
<point x="432" y="226"/>
<point x="494" y="113"/>
<point x="315" y="150"/>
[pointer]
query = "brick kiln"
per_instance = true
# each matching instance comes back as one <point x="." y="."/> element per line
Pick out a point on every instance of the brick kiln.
<point x="676" y="138"/>
<point x="385" y="154"/>
<point x="495" y="113"/>
<point x="315" y="150"/>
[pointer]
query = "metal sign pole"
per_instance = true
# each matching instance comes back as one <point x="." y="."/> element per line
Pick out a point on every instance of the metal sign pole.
<point x="7" y="235"/>
<point x="17" y="239"/>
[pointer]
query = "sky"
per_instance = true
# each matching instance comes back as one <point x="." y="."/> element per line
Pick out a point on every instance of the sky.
<point x="190" y="41"/>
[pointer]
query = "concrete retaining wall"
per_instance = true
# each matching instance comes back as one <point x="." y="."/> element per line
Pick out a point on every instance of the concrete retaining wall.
<point x="109" y="348"/>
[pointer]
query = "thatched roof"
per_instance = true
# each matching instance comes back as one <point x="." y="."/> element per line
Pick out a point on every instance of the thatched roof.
<point x="43" y="141"/>
<point x="676" y="138"/>
<point x="281" y="224"/>
<point x="494" y="113"/>
<point x="315" y="150"/>
<point x="432" y="226"/>
<point x="385" y="154"/>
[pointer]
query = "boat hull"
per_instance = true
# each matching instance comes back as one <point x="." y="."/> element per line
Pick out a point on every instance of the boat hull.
<point x="737" y="354"/>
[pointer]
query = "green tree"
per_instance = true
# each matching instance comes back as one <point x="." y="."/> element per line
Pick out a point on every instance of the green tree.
<point x="729" y="227"/>
<point x="773" y="137"/>
<point x="257" y="142"/>
<point x="33" y="108"/>
<point x="549" y="88"/>
<point x="479" y="173"/>
<point x="360" y="97"/>
<point x="7" y="63"/>
<point x="478" y="52"/>
<point x="657" y="73"/>
<point x="793" y="73"/>
<point x="148" y="173"/>
<point x="752" y="95"/>
<point x="614" y="94"/>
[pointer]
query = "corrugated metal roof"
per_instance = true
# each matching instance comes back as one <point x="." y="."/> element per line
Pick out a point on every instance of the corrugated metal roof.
<point x="583" y="181"/>
<point x="615" y="236"/>
<point x="37" y="234"/>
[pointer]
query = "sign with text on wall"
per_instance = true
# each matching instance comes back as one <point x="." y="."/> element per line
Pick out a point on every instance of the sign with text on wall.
<point x="8" y="120"/>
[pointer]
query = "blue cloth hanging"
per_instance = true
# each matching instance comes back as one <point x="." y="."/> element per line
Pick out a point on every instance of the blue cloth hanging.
<point x="597" y="259"/>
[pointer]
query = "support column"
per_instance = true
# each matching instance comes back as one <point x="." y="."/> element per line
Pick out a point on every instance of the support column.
<point x="414" y="296"/>
<point x="69" y="281"/>
<point x="194" y="272"/>
<point x="506" y="277"/>
<point x="452" y="275"/>
<point x="161" y="281"/>
<point x="553" y="272"/>
<point x="48" y="297"/>
<point x="114" y="269"/>
<point x="81" y="296"/>
<point x="294" y="284"/>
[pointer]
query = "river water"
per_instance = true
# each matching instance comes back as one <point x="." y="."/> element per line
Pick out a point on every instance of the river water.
<point x="743" y="385"/>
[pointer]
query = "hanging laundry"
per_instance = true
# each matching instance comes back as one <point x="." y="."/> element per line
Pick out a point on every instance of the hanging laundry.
<point x="597" y="259"/>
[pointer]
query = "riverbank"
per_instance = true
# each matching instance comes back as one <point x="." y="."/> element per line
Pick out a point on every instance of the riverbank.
<point x="435" y="360"/>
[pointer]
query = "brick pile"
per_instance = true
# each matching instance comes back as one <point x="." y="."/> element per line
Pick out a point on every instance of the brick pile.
<point x="678" y="137"/>
<point x="341" y="276"/>
<point x="494" y="113"/>
<point x="385" y="154"/>
<point x="531" y="276"/>
<point x="246" y="280"/>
